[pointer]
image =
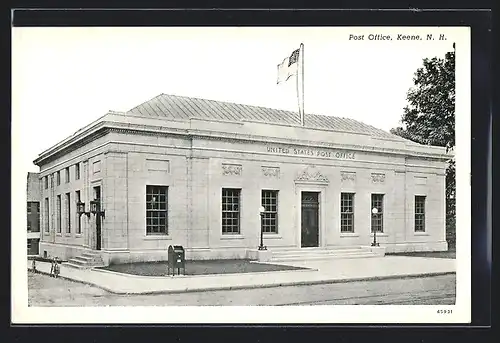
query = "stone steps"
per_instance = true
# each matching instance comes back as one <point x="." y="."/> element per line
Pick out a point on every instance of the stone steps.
<point x="316" y="251"/>
<point x="322" y="254"/>
<point x="322" y="257"/>
<point x="86" y="260"/>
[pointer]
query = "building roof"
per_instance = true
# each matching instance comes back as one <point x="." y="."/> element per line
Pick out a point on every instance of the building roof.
<point x="184" y="108"/>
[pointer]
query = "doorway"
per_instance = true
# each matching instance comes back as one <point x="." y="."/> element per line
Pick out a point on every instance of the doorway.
<point x="310" y="219"/>
<point x="97" y="196"/>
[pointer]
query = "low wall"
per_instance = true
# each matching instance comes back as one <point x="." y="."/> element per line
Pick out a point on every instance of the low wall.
<point x="66" y="252"/>
<point x="62" y="251"/>
<point x="119" y="257"/>
<point x="416" y="247"/>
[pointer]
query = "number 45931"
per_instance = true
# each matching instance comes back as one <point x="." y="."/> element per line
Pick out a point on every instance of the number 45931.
<point x="444" y="311"/>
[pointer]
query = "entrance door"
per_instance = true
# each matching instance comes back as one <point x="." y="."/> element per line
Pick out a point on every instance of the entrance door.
<point x="97" y="196"/>
<point x="310" y="219"/>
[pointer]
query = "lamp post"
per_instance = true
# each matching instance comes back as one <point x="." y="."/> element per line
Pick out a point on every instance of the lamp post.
<point x="261" y="246"/>
<point x="374" y="244"/>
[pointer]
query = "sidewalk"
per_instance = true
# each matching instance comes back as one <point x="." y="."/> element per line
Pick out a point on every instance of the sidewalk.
<point x="327" y="271"/>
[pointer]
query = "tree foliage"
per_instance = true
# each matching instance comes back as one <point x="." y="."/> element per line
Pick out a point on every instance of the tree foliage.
<point x="429" y="117"/>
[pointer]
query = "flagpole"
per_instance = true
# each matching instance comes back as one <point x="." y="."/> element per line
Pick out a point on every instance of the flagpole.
<point x="302" y="58"/>
<point x="298" y="93"/>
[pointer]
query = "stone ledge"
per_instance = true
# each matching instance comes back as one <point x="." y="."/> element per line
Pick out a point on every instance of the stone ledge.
<point x="379" y="251"/>
<point x="416" y="246"/>
<point x="259" y="255"/>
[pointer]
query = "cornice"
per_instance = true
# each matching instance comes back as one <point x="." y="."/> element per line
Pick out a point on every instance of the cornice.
<point x="71" y="146"/>
<point x="213" y="135"/>
<point x="104" y="127"/>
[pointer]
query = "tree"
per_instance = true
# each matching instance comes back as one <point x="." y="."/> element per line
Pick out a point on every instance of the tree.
<point x="429" y="118"/>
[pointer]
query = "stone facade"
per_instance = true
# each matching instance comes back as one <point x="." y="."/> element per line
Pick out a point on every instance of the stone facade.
<point x="197" y="158"/>
<point x="33" y="198"/>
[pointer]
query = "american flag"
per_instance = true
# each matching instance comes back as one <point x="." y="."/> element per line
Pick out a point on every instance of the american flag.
<point x="293" y="57"/>
<point x="288" y="67"/>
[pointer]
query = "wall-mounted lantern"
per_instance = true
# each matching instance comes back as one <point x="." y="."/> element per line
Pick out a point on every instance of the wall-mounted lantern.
<point x="95" y="208"/>
<point x="80" y="209"/>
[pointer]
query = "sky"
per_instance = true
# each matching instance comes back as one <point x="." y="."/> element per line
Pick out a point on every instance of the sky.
<point x="65" y="78"/>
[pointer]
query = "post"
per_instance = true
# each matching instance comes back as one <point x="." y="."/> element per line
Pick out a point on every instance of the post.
<point x="374" y="214"/>
<point x="298" y="92"/>
<point x="261" y="246"/>
<point x="374" y="238"/>
<point x="302" y="72"/>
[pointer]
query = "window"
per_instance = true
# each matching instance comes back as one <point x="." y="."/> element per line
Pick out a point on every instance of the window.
<point x="270" y="218"/>
<point x="156" y="210"/>
<point x="58" y="178"/>
<point x="97" y="193"/>
<point x="66" y="172"/>
<point x="77" y="171"/>
<point x="68" y="211"/>
<point x="347" y="212"/>
<point x="28" y="207"/>
<point x="58" y="223"/>
<point x="46" y="209"/>
<point x="46" y="182"/>
<point x="230" y="211"/>
<point x="38" y="216"/>
<point x="29" y="246"/>
<point x="419" y="213"/>
<point x="378" y="219"/>
<point x="29" y="225"/>
<point x="78" y="218"/>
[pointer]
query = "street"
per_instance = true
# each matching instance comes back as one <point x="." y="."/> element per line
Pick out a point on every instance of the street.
<point x="437" y="290"/>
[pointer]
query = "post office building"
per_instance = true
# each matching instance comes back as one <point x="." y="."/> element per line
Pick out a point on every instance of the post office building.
<point x="194" y="172"/>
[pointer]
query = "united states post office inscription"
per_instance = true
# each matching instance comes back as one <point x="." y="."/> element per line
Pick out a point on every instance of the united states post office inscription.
<point x="311" y="152"/>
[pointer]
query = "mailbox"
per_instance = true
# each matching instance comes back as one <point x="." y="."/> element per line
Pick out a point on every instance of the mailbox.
<point x="176" y="259"/>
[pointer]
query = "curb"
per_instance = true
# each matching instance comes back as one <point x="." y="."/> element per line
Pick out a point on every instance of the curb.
<point x="287" y="284"/>
<point x="242" y="287"/>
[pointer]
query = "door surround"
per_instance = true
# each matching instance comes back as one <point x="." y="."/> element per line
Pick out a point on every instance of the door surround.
<point x="310" y="179"/>
<point x="321" y="190"/>
<point x="96" y="190"/>
<point x="92" y="232"/>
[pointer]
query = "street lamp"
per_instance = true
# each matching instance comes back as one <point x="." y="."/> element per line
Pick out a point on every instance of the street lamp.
<point x="261" y="246"/>
<point x="375" y="244"/>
